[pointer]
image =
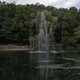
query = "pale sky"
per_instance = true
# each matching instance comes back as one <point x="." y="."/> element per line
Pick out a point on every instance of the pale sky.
<point x="56" y="3"/>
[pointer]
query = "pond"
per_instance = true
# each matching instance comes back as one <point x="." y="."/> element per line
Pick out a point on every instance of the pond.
<point x="20" y="65"/>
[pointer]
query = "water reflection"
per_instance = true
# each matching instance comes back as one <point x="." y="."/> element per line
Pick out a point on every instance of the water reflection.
<point x="15" y="66"/>
<point x="19" y="66"/>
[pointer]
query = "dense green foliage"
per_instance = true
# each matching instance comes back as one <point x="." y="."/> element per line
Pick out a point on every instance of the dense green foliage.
<point x="17" y="23"/>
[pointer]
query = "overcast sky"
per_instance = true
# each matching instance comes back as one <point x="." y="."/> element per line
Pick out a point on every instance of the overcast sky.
<point x="56" y="3"/>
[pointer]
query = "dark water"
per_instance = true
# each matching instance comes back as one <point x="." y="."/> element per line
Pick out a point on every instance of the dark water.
<point x="19" y="66"/>
<point x="15" y="66"/>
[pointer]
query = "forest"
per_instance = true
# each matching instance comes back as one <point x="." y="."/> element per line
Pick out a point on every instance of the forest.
<point x="17" y="23"/>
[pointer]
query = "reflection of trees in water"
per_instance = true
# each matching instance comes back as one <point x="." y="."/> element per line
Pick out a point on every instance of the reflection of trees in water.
<point x="16" y="67"/>
<point x="21" y="68"/>
<point x="61" y="74"/>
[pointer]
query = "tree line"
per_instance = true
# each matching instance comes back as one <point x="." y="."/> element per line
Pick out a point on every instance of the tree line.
<point x="17" y="23"/>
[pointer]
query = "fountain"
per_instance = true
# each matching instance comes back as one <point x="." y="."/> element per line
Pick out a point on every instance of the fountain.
<point x="43" y="41"/>
<point x="40" y="54"/>
<point x="43" y="50"/>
